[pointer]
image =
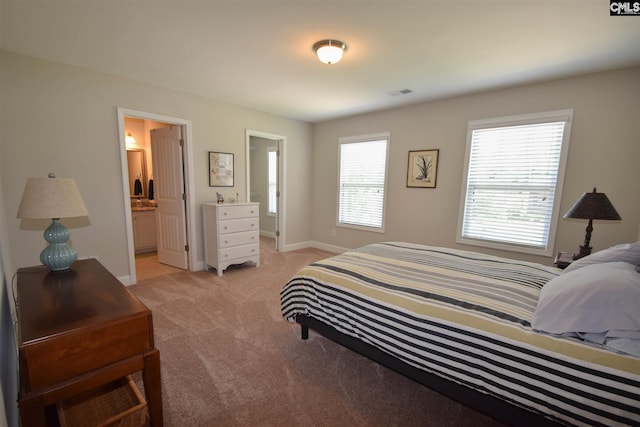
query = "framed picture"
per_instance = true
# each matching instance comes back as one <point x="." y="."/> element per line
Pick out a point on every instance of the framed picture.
<point x="220" y="169"/>
<point x="422" y="169"/>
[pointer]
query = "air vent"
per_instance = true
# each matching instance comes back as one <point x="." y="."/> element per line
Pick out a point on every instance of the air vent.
<point x="400" y="92"/>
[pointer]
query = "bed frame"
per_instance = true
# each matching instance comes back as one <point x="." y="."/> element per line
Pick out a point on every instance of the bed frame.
<point x="489" y="405"/>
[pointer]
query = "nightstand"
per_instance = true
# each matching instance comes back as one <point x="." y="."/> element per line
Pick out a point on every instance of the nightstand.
<point x="563" y="260"/>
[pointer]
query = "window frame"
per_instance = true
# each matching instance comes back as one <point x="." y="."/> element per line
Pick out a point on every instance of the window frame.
<point x="565" y="116"/>
<point x="363" y="139"/>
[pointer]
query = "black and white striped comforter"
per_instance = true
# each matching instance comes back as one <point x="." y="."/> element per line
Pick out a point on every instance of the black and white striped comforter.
<point x="466" y="317"/>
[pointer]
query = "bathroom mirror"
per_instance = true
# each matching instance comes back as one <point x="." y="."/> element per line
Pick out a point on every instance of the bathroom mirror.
<point x="137" y="173"/>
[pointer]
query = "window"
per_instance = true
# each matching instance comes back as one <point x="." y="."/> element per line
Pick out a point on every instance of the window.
<point x="362" y="181"/>
<point x="272" y="180"/>
<point x="513" y="181"/>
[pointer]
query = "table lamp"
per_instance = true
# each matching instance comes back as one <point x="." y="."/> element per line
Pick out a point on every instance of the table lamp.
<point x="53" y="198"/>
<point x="591" y="206"/>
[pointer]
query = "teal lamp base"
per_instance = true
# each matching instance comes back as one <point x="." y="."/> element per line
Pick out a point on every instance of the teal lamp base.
<point x="58" y="256"/>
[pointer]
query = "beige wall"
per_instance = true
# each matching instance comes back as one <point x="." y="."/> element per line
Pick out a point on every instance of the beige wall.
<point x="604" y="152"/>
<point x="63" y="119"/>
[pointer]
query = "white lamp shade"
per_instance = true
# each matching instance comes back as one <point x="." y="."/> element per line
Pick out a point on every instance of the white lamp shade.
<point x="329" y="51"/>
<point x="51" y="198"/>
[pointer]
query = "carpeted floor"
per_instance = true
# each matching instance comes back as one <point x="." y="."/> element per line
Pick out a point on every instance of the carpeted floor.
<point x="229" y="359"/>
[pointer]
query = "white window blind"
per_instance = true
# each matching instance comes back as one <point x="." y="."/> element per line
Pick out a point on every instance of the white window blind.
<point x="362" y="179"/>
<point x="514" y="173"/>
<point x="272" y="180"/>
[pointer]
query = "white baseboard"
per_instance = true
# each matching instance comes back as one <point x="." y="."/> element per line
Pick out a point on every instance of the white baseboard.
<point x="294" y="246"/>
<point x="315" y="245"/>
<point x="329" y="248"/>
<point x="125" y="280"/>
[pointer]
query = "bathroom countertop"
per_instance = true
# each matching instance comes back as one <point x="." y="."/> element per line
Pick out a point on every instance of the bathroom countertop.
<point x="142" y="208"/>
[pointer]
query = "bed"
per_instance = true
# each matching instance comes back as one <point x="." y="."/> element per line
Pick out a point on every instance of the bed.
<point x="490" y="332"/>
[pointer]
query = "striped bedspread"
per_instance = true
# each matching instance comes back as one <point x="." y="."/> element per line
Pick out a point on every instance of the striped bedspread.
<point x="466" y="317"/>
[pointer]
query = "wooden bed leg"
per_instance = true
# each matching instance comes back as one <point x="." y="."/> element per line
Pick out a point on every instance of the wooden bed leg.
<point x="304" y="331"/>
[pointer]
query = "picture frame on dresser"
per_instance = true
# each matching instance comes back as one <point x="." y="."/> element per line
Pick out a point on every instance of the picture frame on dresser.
<point x="220" y="169"/>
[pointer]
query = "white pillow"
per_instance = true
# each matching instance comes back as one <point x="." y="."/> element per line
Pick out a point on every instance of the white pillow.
<point x="595" y="298"/>
<point x="627" y="252"/>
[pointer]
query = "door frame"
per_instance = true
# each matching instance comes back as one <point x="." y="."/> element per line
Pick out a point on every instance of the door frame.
<point x="188" y="182"/>
<point x="281" y="214"/>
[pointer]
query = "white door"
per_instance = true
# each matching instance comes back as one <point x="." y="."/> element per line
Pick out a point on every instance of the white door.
<point x="278" y="186"/>
<point x="168" y="181"/>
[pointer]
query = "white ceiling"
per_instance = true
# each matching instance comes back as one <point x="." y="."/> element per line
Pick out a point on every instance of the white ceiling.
<point x="258" y="54"/>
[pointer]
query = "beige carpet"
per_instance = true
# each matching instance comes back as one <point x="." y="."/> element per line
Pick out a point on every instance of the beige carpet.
<point x="229" y="359"/>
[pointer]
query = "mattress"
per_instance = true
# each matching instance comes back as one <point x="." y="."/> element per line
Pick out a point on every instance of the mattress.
<point x="466" y="317"/>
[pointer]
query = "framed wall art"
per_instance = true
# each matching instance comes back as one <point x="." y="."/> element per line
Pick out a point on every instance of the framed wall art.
<point x="220" y="169"/>
<point x="422" y="168"/>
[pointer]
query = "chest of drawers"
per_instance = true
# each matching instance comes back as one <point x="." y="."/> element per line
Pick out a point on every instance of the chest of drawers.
<point x="231" y="234"/>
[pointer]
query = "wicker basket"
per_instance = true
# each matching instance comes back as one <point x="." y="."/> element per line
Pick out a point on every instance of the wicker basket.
<point x="116" y="404"/>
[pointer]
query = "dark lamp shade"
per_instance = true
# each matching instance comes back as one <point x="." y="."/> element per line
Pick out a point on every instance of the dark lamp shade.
<point x="593" y="206"/>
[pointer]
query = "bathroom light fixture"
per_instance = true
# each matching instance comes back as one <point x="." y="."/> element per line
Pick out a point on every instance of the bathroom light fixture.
<point x="329" y="51"/>
<point x="53" y="198"/>
<point x="129" y="139"/>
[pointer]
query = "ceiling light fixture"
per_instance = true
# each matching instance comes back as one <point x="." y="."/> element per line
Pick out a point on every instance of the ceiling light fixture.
<point x="329" y="51"/>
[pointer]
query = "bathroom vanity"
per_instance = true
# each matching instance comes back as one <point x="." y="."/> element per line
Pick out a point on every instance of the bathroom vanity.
<point x="144" y="229"/>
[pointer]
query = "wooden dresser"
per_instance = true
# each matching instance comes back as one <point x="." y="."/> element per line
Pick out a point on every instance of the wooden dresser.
<point x="231" y="234"/>
<point x="78" y="330"/>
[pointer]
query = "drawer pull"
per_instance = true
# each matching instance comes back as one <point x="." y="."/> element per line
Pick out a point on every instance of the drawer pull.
<point x="224" y="213"/>
<point x="225" y="227"/>
<point x="252" y="225"/>
<point x="226" y="241"/>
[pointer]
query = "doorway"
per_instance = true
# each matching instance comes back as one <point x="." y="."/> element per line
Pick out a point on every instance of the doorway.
<point x="146" y="122"/>
<point x="265" y="157"/>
